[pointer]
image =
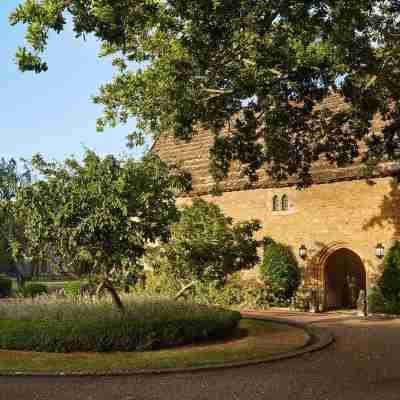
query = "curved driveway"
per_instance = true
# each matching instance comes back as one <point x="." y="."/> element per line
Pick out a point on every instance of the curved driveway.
<point x="363" y="363"/>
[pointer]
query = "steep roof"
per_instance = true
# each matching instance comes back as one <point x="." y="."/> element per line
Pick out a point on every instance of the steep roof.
<point x="194" y="157"/>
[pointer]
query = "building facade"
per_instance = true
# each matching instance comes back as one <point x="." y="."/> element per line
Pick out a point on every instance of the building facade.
<point x="337" y="228"/>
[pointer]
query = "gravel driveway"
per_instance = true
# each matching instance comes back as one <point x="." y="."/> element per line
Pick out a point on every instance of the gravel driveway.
<point x="363" y="363"/>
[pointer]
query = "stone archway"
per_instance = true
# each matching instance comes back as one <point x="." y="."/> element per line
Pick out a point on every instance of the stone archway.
<point x="344" y="277"/>
<point x="327" y="272"/>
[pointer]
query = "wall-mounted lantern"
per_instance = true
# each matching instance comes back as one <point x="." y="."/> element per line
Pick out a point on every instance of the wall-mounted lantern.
<point x="303" y="251"/>
<point x="380" y="250"/>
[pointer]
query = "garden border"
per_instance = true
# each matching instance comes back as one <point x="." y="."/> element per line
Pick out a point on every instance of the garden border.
<point x="319" y="338"/>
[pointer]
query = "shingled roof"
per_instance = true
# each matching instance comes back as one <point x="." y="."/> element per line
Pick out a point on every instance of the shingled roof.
<point x="194" y="156"/>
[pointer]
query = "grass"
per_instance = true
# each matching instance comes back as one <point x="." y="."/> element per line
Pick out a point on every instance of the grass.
<point x="254" y="340"/>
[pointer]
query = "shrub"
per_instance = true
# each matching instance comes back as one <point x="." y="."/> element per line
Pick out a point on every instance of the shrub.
<point x="385" y="296"/>
<point x="159" y="283"/>
<point x="279" y="269"/>
<point x="302" y="299"/>
<point x="34" y="289"/>
<point x="389" y="282"/>
<point x="206" y="245"/>
<point x="5" y="286"/>
<point x="147" y="324"/>
<point x="236" y="292"/>
<point x="78" y="288"/>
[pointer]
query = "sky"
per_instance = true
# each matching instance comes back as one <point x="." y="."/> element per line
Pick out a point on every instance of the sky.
<point x="51" y="113"/>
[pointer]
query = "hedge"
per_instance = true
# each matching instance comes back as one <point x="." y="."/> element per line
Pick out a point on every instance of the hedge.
<point x="149" y="325"/>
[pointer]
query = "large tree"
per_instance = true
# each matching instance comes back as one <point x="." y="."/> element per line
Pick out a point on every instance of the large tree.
<point x="11" y="180"/>
<point x="95" y="217"/>
<point x="257" y="66"/>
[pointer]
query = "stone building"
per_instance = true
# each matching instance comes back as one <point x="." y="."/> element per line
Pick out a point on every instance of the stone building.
<point x="337" y="228"/>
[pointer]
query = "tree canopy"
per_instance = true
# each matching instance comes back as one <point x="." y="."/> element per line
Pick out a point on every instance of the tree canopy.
<point x="258" y="67"/>
<point x="95" y="217"/>
<point x="11" y="180"/>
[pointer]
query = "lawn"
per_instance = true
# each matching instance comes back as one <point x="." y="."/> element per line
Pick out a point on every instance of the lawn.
<point x="254" y="340"/>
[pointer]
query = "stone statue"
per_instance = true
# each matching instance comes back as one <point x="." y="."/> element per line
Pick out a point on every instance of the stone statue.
<point x="362" y="304"/>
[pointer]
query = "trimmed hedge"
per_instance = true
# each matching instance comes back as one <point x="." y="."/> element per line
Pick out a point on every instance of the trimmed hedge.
<point x="34" y="289"/>
<point x="5" y="287"/>
<point x="99" y="327"/>
<point x="279" y="269"/>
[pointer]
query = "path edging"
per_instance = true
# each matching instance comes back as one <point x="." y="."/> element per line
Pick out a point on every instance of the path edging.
<point x="319" y="338"/>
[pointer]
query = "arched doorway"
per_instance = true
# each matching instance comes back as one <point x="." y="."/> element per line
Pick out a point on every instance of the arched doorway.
<point x="344" y="276"/>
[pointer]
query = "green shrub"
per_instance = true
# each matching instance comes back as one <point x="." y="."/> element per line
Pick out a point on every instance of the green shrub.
<point x="302" y="299"/>
<point x="389" y="282"/>
<point x="377" y="303"/>
<point x="237" y="292"/>
<point x="147" y="324"/>
<point x="385" y="296"/>
<point x="279" y="269"/>
<point x="34" y="289"/>
<point x="78" y="288"/>
<point x="159" y="284"/>
<point x="5" y="286"/>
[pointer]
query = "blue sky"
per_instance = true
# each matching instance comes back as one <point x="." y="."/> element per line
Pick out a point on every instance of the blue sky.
<point x="51" y="113"/>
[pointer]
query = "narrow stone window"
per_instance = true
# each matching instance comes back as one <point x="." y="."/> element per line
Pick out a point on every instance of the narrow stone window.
<point x="285" y="203"/>
<point x="275" y="203"/>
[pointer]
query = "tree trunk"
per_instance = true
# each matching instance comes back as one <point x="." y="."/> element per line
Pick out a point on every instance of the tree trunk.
<point x="114" y="294"/>
<point x="183" y="290"/>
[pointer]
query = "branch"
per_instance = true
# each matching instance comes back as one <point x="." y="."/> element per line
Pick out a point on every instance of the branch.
<point x="184" y="289"/>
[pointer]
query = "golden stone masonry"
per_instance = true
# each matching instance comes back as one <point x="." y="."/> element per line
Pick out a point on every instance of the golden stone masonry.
<point x="340" y="220"/>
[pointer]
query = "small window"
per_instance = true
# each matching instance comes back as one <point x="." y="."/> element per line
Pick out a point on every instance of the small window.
<point x="275" y="203"/>
<point x="285" y="203"/>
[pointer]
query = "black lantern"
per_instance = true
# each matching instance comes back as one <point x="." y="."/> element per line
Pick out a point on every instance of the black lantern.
<point x="380" y="250"/>
<point x="303" y="251"/>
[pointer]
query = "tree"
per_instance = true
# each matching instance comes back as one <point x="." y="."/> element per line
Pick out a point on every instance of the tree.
<point x="10" y="181"/>
<point x="207" y="246"/>
<point x="95" y="217"/>
<point x="258" y="67"/>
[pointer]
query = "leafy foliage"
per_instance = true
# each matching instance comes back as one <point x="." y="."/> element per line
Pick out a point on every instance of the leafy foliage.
<point x="389" y="283"/>
<point x="94" y="218"/>
<point x="259" y="66"/>
<point x="280" y="269"/>
<point x="147" y="324"/>
<point x="385" y="296"/>
<point x="237" y="292"/>
<point x="10" y="181"/>
<point x="206" y="245"/>
<point x="75" y="288"/>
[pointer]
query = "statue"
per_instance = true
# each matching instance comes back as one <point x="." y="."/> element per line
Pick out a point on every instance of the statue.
<point x="362" y="304"/>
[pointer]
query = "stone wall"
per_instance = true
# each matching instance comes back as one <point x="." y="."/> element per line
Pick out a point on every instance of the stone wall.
<point x="341" y="210"/>
<point x="352" y="214"/>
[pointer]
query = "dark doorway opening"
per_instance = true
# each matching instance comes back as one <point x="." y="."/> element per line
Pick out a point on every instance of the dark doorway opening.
<point x="344" y="278"/>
